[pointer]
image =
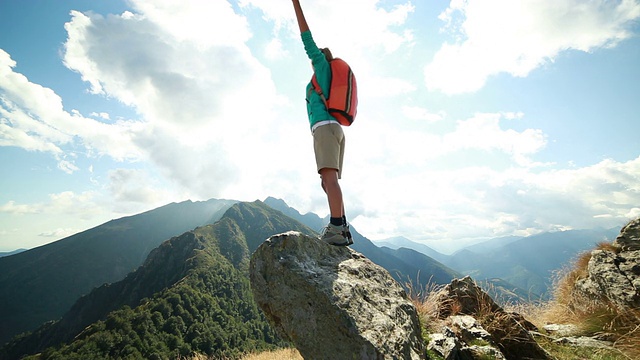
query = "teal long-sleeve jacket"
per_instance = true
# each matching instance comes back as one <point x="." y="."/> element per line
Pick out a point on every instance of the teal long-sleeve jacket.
<point x="316" y="109"/>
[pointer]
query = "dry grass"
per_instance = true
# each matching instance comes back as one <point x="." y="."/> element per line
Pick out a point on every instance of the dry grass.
<point x="284" y="354"/>
<point x="424" y="299"/>
<point x="591" y="316"/>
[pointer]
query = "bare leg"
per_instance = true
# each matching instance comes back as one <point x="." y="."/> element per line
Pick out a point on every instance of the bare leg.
<point x="331" y="187"/>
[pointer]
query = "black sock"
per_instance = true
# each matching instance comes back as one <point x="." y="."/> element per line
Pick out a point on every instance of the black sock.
<point x="344" y="220"/>
<point x="335" y="221"/>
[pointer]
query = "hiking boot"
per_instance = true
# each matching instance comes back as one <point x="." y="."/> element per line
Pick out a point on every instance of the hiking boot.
<point x="333" y="235"/>
<point x="347" y="233"/>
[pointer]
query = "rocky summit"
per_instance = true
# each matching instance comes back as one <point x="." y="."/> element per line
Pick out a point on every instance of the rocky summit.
<point x="332" y="302"/>
<point x="614" y="274"/>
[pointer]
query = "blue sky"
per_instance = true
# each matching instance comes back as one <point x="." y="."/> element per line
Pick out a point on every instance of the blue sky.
<point x="477" y="119"/>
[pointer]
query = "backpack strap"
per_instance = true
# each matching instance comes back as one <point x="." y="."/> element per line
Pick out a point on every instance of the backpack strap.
<point x="318" y="90"/>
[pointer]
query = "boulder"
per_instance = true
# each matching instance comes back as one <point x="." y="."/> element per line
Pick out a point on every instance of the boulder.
<point x="508" y="332"/>
<point x="331" y="302"/>
<point x="615" y="275"/>
<point x="463" y="296"/>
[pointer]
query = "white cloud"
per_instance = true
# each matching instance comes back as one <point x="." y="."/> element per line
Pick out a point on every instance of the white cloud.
<point x="102" y="115"/>
<point x="32" y="117"/>
<point x="58" y="233"/>
<point x="81" y="205"/>
<point x="347" y="27"/>
<point x="274" y="50"/>
<point x="376" y="87"/>
<point x="185" y="67"/>
<point x="178" y="63"/>
<point x="59" y="215"/>
<point x="201" y="22"/>
<point x="478" y="202"/>
<point x="67" y="166"/>
<point x="516" y="37"/>
<point x="482" y="133"/>
<point x="633" y="213"/>
<point x="477" y="181"/>
<point x="12" y="208"/>
<point x="420" y="113"/>
<point x="134" y="189"/>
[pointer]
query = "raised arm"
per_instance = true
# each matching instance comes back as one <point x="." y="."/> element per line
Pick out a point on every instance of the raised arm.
<point x="302" y="23"/>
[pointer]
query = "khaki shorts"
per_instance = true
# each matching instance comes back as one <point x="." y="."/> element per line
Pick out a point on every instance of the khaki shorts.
<point x="328" y="145"/>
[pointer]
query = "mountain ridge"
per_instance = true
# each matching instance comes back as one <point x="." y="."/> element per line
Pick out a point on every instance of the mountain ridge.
<point x="209" y="262"/>
<point x="74" y="265"/>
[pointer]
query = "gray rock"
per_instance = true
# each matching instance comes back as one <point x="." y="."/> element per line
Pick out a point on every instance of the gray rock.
<point x="486" y="352"/>
<point x="332" y="302"/>
<point x="447" y="345"/>
<point x="463" y="296"/>
<point x="585" y="341"/>
<point x="468" y="328"/>
<point x="561" y="329"/>
<point x="453" y="343"/>
<point x="615" y="276"/>
<point x="471" y="332"/>
<point x="629" y="238"/>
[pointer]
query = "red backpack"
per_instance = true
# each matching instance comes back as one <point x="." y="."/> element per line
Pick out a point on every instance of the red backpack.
<point x="342" y="101"/>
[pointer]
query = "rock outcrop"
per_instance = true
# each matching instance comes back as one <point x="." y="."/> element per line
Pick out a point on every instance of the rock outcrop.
<point x="332" y="302"/>
<point x="472" y="316"/>
<point x="464" y="339"/>
<point x="614" y="276"/>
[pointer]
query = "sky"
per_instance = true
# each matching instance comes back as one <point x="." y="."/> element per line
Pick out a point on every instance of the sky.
<point x="477" y="118"/>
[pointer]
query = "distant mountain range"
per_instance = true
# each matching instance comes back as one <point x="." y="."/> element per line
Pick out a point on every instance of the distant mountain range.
<point x="89" y="286"/>
<point x="529" y="263"/>
<point x="402" y="242"/>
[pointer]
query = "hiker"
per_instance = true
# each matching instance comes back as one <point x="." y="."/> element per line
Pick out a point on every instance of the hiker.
<point x="328" y="137"/>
